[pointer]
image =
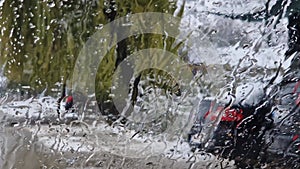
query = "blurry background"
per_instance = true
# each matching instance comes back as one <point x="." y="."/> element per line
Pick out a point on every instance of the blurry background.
<point x="233" y="42"/>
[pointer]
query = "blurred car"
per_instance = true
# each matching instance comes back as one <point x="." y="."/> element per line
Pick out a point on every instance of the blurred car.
<point x="253" y="128"/>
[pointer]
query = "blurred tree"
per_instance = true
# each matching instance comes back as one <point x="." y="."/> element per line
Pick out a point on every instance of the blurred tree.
<point x="130" y="45"/>
<point x="40" y="40"/>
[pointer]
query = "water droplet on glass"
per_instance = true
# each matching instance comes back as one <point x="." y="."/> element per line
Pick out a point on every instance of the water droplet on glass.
<point x="51" y="5"/>
<point x="108" y="10"/>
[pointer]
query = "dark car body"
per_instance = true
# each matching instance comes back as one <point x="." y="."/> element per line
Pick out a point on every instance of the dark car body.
<point x="254" y="130"/>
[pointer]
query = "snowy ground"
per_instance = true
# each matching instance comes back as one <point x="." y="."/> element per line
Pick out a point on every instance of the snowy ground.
<point x="62" y="146"/>
<point x="81" y="145"/>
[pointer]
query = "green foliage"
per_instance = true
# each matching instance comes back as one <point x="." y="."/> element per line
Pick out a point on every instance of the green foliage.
<point x="133" y="44"/>
<point x="40" y="40"/>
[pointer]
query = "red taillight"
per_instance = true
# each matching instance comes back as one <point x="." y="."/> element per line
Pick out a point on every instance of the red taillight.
<point x="229" y="115"/>
<point x="295" y="137"/>
<point x="232" y="115"/>
<point x="69" y="99"/>
<point x="213" y="111"/>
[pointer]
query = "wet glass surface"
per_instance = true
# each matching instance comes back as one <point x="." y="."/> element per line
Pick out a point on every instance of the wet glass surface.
<point x="149" y="84"/>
